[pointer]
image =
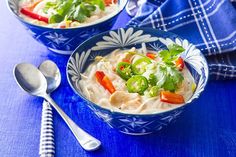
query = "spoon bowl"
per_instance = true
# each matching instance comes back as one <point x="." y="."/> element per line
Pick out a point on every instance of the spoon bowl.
<point x="30" y="79"/>
<point x="52" y="74"/>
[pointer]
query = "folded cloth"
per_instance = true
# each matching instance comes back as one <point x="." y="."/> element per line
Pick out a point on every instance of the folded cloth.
<point x="209" y="24"/>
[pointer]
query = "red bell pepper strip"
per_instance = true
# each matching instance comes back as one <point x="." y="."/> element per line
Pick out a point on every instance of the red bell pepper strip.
<point x="109" y="2"/>
<point x="151" y="55"/>
<point x="105" y="81"/>
<point x="99" y="76"/>
<point x="171" y="97"/>
<point x="33" y="15"/>
<point x="179" y="63"/>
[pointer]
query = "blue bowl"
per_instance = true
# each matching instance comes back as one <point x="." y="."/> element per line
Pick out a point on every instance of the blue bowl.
<point x="64" y="41"/>
<point x="104" y="43"/>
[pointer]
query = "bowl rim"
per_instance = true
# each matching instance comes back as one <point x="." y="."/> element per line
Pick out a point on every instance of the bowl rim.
<point x="70" y="28"/>
<point x="133" y="114"/>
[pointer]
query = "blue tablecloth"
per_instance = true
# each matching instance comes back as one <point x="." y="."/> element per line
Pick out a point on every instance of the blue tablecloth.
<point x="207" y="128"/>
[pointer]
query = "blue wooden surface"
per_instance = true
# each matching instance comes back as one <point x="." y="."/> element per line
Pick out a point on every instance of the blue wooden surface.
<point x="207" y="128"/>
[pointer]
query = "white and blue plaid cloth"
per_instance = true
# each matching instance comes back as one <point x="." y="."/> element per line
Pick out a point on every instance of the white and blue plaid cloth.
<point x="209" y="24"/>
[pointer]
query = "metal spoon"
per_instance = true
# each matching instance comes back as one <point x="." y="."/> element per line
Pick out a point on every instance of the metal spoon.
<point x="30" y="79"/>
<point x="53" y="76"/>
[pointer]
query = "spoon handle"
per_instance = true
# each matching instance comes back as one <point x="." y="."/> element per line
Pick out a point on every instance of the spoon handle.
<point x="46" y="147"/>
<point x="88" y="142"/>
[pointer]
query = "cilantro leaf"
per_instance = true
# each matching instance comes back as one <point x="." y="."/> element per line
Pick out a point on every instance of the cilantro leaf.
<point x="175" y="49"/>
<point x="64" y="8"/>
<point x="173" y="79"/>
<point x="81" y="13"/>
<point x="56" y="18"/>
<point x="169" y="85"/>
<point x="78" y="16"/>
<point x="77" y="10"/>
<point x="175" y="74"/>
<point x="165" y="55"/>
<point x="170" y="55"/>
<point x="152" y="80"/>
<point x="161" y="76"/>
<point x="99" y="3"/>
<point x="49" y="5"/>
<point x="167" y="77"/>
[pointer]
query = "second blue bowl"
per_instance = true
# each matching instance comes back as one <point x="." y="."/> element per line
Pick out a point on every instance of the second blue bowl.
<point x="64" y="41"/>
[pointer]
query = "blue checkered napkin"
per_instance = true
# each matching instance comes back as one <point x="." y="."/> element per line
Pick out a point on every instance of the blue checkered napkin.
<point x="209" y="24"/>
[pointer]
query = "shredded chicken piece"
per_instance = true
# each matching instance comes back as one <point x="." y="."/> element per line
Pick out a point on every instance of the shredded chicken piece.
<point x="124" y="100"/>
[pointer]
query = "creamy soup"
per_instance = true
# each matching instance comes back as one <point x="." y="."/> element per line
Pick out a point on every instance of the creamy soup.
<point x="66" y="13"/>
<point x="139" y="82"/>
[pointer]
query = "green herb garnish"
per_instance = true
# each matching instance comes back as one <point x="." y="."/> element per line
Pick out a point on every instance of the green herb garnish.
<point x="152" y="80"/>
<point x="77" y="10"/>
<point x="171" y="78"/>
<point x="145" y="76"/>
<point x="170" y="55"/>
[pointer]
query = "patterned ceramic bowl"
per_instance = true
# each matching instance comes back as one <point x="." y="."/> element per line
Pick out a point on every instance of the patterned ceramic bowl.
<point x="156" y="40"/>
<point x="64" y="41"/>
